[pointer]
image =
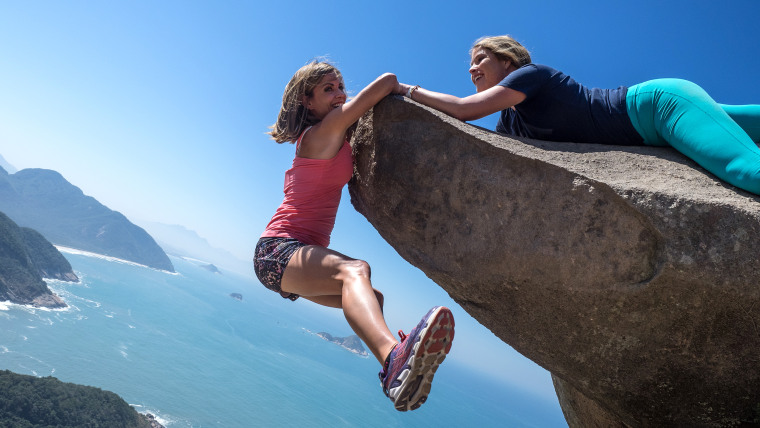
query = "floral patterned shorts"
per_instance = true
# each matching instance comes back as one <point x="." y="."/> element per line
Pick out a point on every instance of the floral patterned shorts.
<point x="271" y="257"/>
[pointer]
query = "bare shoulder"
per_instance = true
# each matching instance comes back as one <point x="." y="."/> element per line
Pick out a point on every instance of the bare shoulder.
<point x="320" y="143"/>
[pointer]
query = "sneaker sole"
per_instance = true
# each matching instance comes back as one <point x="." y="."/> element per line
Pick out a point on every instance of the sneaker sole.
<point x="429" y="353"/>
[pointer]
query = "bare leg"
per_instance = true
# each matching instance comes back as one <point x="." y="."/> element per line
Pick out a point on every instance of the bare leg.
<point x="332" y="279"/>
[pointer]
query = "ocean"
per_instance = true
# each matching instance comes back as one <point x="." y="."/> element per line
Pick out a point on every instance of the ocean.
<point x="179" y="347"/>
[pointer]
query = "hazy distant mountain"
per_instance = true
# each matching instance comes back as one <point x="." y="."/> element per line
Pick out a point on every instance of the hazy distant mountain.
<point x="26" y="257"/>
<point x="6" y="166"/>
<point x="43" y="200"/>
<point x="182" y="242"/>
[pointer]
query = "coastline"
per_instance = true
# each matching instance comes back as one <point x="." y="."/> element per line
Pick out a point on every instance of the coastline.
<point x="7" y="305"/>
<point x="70" y="250"/>
<point x="59" y="304"/>
<point x="154" y="421"/>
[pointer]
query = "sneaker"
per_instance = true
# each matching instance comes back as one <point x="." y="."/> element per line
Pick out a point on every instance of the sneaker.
<point x="408" y="373"/>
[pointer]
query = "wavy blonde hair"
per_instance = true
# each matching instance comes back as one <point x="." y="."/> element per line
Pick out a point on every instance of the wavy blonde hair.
<point x="505" y="48"/>
<point x="294" y="117"/>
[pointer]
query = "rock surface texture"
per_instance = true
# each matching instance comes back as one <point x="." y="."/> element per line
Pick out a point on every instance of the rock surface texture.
<point x="629" y="273"/>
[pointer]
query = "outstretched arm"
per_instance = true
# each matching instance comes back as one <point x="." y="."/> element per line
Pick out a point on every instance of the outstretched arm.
<point x="468" y="108"/>
<point x="345" y="116"/>
<point x="331" y="131"/>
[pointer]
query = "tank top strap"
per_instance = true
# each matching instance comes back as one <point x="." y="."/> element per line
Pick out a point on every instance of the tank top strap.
<point x="300" y="137"/>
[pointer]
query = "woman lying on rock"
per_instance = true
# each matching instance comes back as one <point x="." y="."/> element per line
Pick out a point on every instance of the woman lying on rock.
<point x="537" y="101"/>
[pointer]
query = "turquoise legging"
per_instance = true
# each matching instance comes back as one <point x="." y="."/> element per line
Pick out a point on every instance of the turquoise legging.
<point x="721" y="138"/>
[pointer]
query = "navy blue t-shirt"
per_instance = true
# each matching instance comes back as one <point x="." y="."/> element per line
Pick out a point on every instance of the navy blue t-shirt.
<point x="557" y="108"/>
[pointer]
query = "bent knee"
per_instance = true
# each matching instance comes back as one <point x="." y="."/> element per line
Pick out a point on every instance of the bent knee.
<point x="744" y="172"/>
<point x="354" y="269"/>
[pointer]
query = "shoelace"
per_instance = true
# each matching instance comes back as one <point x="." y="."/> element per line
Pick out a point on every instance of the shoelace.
<point x="384" y="372"/>
<point x="387" y="364"/>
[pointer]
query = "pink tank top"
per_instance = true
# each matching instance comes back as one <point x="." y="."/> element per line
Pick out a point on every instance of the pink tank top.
<point x="312" y="194"/>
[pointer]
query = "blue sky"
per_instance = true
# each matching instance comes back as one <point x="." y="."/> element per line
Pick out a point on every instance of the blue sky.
<point x="159" y="109"/>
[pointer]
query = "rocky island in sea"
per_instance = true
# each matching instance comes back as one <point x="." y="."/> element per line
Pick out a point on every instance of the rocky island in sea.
<point x="25" y="258"/>
<point x="211" y="268"/>
<point x="352" y="343"/>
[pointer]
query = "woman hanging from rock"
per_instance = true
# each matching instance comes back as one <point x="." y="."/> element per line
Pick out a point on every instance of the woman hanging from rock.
<point x="292" y="256"/>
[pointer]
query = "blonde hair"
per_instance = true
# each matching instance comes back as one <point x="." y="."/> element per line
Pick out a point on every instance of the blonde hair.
<point x="505" y="48"/>
<point x="294" y="117"/>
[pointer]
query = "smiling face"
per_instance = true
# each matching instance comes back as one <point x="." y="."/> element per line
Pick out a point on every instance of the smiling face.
<point x="486" y="69"/>
<point x="329" y="94"/>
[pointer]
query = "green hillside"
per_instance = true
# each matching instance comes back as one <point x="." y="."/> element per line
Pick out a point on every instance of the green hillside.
<point x="24" y="254"/>
<point x="28" y="401"/>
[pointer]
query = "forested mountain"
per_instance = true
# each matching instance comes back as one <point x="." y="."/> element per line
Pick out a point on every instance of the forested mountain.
<point x="50" y="263"/>
<point x="43" y="200"/>
<point x="28" y="401"/>
<point x="25" y="256"/>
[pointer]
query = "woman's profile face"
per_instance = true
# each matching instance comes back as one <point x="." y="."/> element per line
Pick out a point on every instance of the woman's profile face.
<point x="328" y="95"/>
<point x="487" y="70"/>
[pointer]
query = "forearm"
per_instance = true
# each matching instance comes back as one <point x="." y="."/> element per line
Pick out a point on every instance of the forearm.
<point x="472" y="107"/>
<point x="368" y="97"/>
<point x="449" y="104"/>
<point x="385" y="84"/>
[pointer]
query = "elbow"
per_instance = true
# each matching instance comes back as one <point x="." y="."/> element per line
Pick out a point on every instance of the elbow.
<point x="463" y="117"/>
<point x="389" y="80"/>
<point x="463" y="114"/>
<point x="467" y="111"/>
